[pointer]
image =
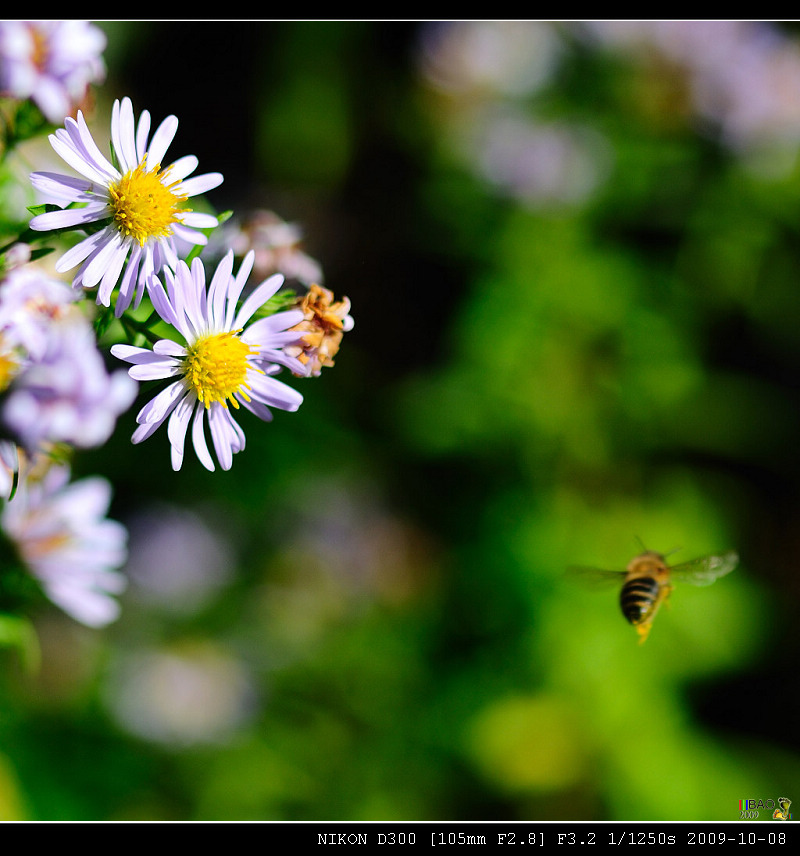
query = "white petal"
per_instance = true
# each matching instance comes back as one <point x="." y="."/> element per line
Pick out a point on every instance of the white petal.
<point x="176" y="458"/>
<point x="194" y="305"/>
<point x="167" y="346"/>
<point x="75" y="255"/>
<point x="162" y="304"/>
<point x="132" y="354"/>
<point x="66" y="151"/>
<point x="163" y="136"/>
<point x="261" y="294"/>
<point x="201" y="183"/>
<point x="273" y="393"/>
<point x="67" y="218"/>
<point x="68" y="145"/>
<point x="106" y="256"/>
<point x="218" y="291"/>
<point x="92" y="608"/>
<point x="142" y="133"/>
<point x="123" y="135"/>
<point x="122" y="391"/>
<point x="158" y="408"/>
<point x="154" y="370"/>
<point x="52" y="98"/>
<point x="238" y="442"/>
<point x="222" y="435"/>
<point x="65" y="188"/>
<point x="199" y="220"/>
<point x="109" y="280"/>
<point x="165" y="253"/>
<point x="146" y="269"/>
<point x="93" y="152"/>
<point x="182" y="167"/>
<point x="199" y="439"/>
<point x="141" y="356"/>
<point x="257" y="408"/>
<point x="144" y="431"/>
<point x="188" y="235"/>
<point x="131" y="282"/>
<point x="235" y="290"/>
<point x="273" y="329"/>
<point x="87" y="497"/>
<point x="179" y="422"/>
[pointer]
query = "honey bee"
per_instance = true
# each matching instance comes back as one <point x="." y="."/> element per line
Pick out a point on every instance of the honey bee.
<point x="647" y="582"/>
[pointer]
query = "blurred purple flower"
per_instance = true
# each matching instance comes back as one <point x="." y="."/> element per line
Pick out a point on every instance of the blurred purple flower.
<point x="743" y="76"/>
<point x="53" y="380"/>
<point x="178" y="557"/>
<point x="30" y="301"/>
<point x="192" y="693"/>
<point x="50" y="62"/>
<point x="488" y="76"/>
<point x="61" y="533"/>
<point x="276" y="243"/>
<point x="490" y="58"/>
<point x="539" y="163"/>
<point x="65" y="394"/>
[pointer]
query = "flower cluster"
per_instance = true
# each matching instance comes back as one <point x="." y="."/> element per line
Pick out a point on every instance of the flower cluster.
<point x="61" y="533"/>
<point x="131" y="227"/>
<point x="56" y="392"/>
<point x="56" y="388"/>
<point x="50" y="62"/>
<point x="740" y="77"/>
<point x="489" y="79"/>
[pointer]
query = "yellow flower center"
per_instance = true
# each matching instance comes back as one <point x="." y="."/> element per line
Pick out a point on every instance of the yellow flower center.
<point x="216" y="366"/>
<point x="143" y="205"/>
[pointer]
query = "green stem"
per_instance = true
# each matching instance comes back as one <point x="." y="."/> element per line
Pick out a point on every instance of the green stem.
<point x="140" y="328"/>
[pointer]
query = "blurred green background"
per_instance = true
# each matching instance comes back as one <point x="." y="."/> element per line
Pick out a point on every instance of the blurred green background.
<point x="573" y="253"/>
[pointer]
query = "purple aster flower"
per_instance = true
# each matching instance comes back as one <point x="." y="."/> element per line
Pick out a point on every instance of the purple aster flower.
<point x="61" y="533"/>
<point x="66" y="395"/>
<point x="53" y="379"/>
<point x="141" y="204"/>
<point x="50" y="62"/>
<point x="30" y="302"/>
<point x="222" y="363"/>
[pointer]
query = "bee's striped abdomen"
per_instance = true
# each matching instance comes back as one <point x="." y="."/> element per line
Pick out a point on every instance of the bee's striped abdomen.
<point x="638" y="597"/>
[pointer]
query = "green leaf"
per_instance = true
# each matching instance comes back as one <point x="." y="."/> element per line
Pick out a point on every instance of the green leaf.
<point x="134" y="328"/>
<point x="41" y="252"/>
<point x="103" y="321"/>
<point x="278" y="302"/>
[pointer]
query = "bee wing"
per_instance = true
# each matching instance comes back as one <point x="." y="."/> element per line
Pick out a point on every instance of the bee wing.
<point x="706" y="569"/>
<point x="595" y="578"/>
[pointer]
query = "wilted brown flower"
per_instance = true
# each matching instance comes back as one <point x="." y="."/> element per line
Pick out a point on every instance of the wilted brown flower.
<point x="324" y="323"/>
